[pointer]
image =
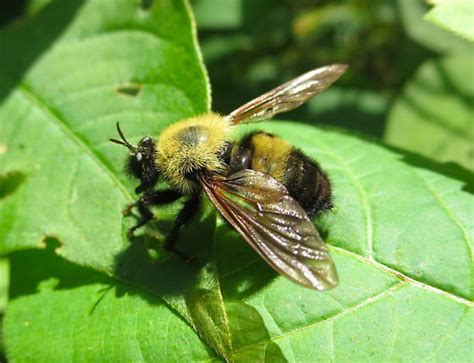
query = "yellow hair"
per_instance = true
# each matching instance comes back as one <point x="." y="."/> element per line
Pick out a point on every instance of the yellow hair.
<point x="176" y="157"/>
<point x="270" y="156"/>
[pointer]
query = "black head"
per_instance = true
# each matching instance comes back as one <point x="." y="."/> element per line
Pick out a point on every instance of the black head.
<point x="141" y="160"/>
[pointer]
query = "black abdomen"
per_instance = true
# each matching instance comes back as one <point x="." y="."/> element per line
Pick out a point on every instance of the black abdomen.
<point x="302" y="176"/>
<point x="307" y="183"/>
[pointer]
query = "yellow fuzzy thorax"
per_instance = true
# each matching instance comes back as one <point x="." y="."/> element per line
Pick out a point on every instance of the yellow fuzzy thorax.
<point x="190" y="145"/>
<point x="271" y="155"/>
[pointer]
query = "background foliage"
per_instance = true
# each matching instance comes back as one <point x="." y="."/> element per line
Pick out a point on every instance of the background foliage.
<point x="401" y="161"/>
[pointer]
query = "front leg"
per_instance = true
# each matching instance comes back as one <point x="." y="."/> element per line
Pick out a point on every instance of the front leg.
<point x="149" y="199"/>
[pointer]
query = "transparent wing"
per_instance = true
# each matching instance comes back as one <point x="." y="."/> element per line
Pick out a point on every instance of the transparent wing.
<point x="287" y="96"/>
<point x="275" y="225"/>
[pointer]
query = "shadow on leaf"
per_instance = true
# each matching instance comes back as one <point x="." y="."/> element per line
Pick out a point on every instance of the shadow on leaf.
<point x="10" y="182"/>
<point x="27" y="43"/>
<point x="35" y="269"/>
<point x="242" y="272"/>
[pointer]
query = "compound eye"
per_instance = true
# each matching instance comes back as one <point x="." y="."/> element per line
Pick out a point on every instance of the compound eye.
<point x="146" y="141"/>
<point x="139" y="156"/>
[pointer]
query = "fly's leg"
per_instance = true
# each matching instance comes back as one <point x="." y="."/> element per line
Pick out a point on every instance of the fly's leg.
<point x="189" y="210"/>
<point x="147" y="200"/>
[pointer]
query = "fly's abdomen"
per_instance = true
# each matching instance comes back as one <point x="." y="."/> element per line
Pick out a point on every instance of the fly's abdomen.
<point x="271" y="155"/>
<point x="307" y="183"/>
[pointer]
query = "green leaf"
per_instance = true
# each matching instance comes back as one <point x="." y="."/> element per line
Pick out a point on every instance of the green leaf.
<point x="4" y="283"/>
<point x="426" y="34"/>
<point x="401" y="233"/>
<point x="434" y="114"/>
<point x="454" y="15"/>
<point x="401" y="237"/>
<point x="62" y="312"/>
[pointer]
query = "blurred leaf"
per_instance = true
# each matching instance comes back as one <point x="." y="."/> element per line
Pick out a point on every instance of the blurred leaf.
<point x="434" y="114"/>
<point x="425" y="33"/>
<point x="213" y="14"/>
<point x="218" y="47"/>
<point x="456" y="16"/>
<point x="35" y="6"/>
<point x="356" y="109"/>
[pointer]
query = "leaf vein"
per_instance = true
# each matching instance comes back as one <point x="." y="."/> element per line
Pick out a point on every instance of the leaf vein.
<point x="330" y="319"/>
<point x="404" y="277"/>
<point x="447" y="210"/>
<point x="80" y="142"/>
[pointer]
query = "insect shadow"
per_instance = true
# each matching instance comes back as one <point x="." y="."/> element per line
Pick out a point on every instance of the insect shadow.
<point x="242" y="272"/>
<point x="222" y="260"/>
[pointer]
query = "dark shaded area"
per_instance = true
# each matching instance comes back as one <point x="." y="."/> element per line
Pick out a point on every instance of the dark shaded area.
<point x="10" y="182"/>
<point x="265" y="43"/>
<point x="12" y="10"/>
<point x="146" y="263"/>
<point x="25" y="44"/>
<point x="245" y="318"/>
<point x="146" y="4"/>
<point x="242" y="272"/>
<point x="449" y="169"/>
<point x="130" y="89"/>
<point x="45" y="264"/>
<point x="3" y="357"/>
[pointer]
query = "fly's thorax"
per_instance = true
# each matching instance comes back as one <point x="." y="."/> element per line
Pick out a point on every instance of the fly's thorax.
<point x="191" y="146"/>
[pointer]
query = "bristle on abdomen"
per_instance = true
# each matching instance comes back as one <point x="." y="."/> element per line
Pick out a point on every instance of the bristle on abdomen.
<point x="307" y="183"/>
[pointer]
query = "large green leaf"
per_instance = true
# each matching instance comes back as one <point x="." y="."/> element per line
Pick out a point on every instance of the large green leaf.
<point x="402" y="242"/>
<point x="434" y="114"/>
<point x="401" y="233"/>
<point x="454" y="15"/>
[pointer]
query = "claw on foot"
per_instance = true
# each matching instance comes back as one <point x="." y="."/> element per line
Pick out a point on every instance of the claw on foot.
<point x="127" y="211"/>
<point x="131" y="232"/>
